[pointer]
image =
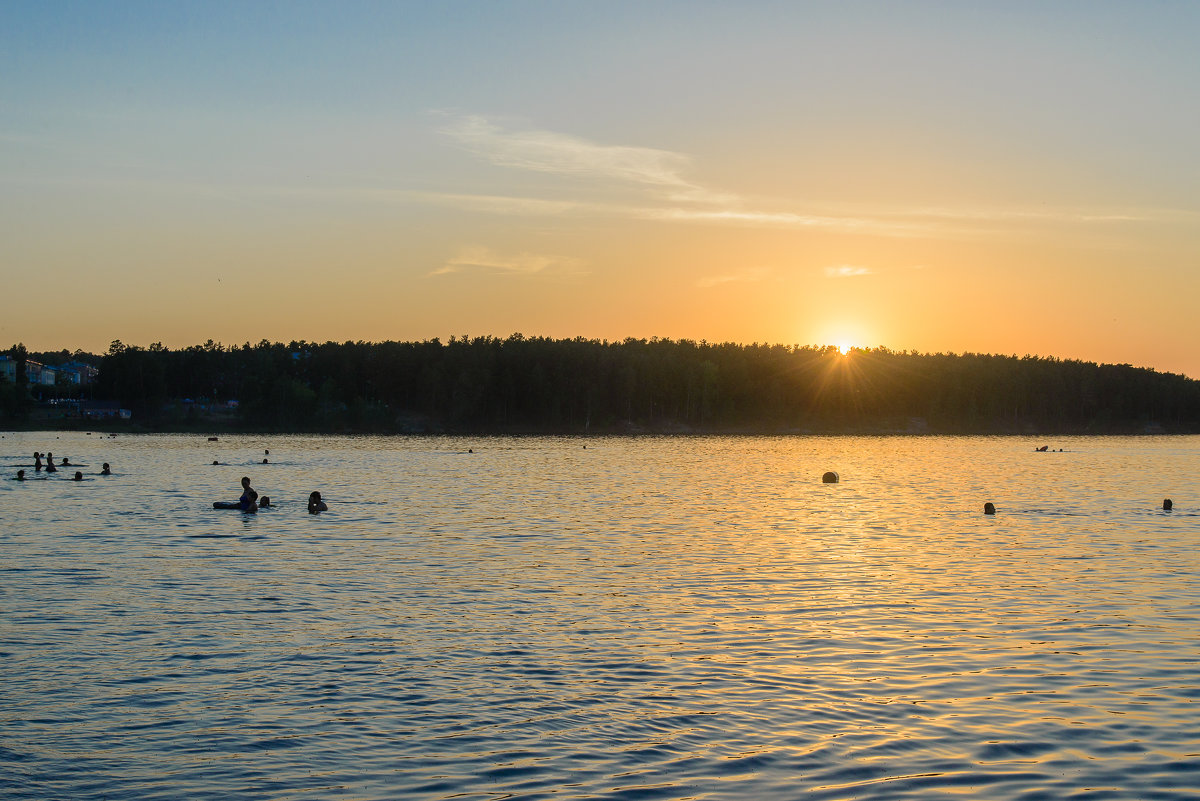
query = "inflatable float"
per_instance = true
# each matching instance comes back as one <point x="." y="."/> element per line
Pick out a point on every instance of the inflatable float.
<point x="231" y="505"/>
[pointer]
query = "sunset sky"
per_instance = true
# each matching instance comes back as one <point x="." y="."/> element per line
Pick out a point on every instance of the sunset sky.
<point x="1007" y="177"/>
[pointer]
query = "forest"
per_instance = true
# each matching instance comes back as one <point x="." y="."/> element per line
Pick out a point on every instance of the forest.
<point x="524" y="384"/>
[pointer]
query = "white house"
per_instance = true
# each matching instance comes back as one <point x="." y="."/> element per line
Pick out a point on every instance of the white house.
<point x="38" y="373"/>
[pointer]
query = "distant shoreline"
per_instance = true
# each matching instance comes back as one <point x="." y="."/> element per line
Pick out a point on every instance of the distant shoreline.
<point x="541" y="386"/>
<point x="626" y="430"/>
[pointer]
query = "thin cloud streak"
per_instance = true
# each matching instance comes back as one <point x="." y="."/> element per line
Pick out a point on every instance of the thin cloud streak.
<point x="846" y="271"/>
<point x="547" y="151"/>
<point x="660" y="173"/>
<point x="522" y="264"/>
<point x="502" y="204"/>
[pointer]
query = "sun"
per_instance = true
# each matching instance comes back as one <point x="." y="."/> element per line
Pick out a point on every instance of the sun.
<point x="844" y="348"/>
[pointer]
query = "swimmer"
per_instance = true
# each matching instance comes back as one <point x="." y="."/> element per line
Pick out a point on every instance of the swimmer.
<point x="50" y="468"/>
<point x="989" y="508"/>
<point x="315" y="504"/>
<point x="215" y="461"/>
<point x="249" y="499"/>
<point x="264" y="502"/>
<point x="20" y="476"/>
<point x="1167" y="505"/>
<point x="66" y="462"/>
<point x="37" y="462"/>
<point x="78" y="476"/>
<point x="104" y="471"/>
<point x="265" y="461"/>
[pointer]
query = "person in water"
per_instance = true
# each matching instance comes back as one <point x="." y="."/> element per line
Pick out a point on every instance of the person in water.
<point x="37" y="462"/>
<point x="20" y="475"/>
<point x="78" y="476"/>
<point x="315" y="504"/>
<point x="50" y="468"/>
<point x="249" y="499"/>
<point x="104" y="471"/>
<point x="264" y="502"/>
<point x="66" y="462"/>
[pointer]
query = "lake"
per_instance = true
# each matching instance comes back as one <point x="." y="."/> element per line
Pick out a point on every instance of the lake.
<point x="617" y="618"/>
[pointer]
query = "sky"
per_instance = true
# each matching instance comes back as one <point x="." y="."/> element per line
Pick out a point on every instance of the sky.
<point x="1007" y="177"/>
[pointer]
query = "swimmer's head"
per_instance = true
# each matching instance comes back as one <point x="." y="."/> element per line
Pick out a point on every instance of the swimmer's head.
<point x="989" y="508"/>
<point x="1167" y="505"/>
<point x="264" y="500"/>
<point x="245" y="481"/>
<point x="264" y="461"/>
<point x="20" y="475"/>
<point x="78" y="476"/>
<point x="314" y="497"/>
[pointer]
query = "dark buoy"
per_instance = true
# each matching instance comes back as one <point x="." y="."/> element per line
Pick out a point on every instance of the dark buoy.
<point x="1167" y="505"/>
<point x="830" y="478"/>
<point x="989" y="508"/>
<point x="212" y="439"/>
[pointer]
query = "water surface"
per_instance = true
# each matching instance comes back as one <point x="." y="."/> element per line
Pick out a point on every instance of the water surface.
<point x="655" y="617"/>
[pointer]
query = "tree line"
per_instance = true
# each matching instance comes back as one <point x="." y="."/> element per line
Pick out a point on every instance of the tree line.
<point x="538" y="384"/>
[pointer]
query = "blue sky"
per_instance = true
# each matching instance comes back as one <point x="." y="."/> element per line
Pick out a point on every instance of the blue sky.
<point x="1000" y="177"/>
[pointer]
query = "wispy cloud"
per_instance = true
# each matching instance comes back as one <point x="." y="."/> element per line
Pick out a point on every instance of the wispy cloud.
<point x="846" y="271"/>
<point x="547" y="151"/>
<point x="503" y="204"/>
<point x="521" y="264"/>
<point x="778" y="219"/>
<point x="662" y="190"/>
<point x="661" y="171"/>
<point x="1052" y="215"/>
<point x="748" y="275"/>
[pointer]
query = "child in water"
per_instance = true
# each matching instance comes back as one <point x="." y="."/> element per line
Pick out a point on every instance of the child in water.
<point x="249" y="499"/>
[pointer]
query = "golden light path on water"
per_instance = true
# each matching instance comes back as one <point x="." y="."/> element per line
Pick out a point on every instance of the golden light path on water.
<point x="620" y="617"/>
